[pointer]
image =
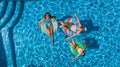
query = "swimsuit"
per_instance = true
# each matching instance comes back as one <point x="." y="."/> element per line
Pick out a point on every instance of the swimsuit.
<point x="47" y="22"/>
<point x="74" y="22"/>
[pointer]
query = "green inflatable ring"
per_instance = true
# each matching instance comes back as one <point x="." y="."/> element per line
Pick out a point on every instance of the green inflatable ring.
<point x="80" y="44"/>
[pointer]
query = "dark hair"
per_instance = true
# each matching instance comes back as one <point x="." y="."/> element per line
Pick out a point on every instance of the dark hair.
<point x="53" y="17"/>
<point x="83" y="55"/>
<point x="83" y="29"/>
<point x="48" y="14"/>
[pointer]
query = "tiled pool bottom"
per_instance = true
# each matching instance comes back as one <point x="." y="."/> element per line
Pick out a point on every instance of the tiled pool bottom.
<point x="34" y="49"/>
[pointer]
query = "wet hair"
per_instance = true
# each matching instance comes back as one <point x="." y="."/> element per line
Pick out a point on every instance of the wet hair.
<point x="83" y="55"/>
<point x="53" y="17"/>
<point x="82" y="30"/>
<point x="48" y="14"/>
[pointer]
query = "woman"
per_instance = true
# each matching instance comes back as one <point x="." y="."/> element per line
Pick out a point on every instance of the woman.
<point x="79" y="50"/>
<point x="73" y="27"/>
<point x="46" y="24"/>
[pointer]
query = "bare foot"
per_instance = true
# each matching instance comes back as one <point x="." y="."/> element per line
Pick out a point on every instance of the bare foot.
<point x="84" y="41"/>
<point x="52" y="41"/>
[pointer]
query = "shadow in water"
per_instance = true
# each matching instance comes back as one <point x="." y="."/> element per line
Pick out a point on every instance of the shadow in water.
<point x="91" y="43"/>
<point x="89" y="25"/>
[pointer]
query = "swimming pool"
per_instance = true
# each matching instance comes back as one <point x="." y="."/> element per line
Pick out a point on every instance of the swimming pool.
<point x="26" y="46"/>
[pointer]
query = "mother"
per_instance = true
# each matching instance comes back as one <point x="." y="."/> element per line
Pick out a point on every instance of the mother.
<point x="48" y="25"/>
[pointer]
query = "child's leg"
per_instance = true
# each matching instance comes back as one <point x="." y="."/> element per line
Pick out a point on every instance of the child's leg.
<point x="72" y="43"/>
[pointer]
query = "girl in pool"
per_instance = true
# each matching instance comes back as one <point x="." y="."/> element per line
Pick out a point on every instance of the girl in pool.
<point x="73" y="27"/>
<point x="47" y="25"/>
<point x="80" y="50"/>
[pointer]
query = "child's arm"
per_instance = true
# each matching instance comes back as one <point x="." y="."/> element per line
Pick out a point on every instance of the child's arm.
<point x="76" y="56"/>
<point x="78" y="20"/>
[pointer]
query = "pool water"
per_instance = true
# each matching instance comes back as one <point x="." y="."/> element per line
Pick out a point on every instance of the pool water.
<point x="23" y="45"/>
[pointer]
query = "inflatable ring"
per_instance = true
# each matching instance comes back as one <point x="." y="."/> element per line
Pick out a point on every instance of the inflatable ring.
<point x="80" y="44"/>
<point x="70" y="20"/>
<point x="44" y="28"/>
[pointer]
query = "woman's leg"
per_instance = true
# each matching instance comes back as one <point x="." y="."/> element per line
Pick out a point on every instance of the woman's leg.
<point x="48" y="31"/>
<point x="51" y="34"/>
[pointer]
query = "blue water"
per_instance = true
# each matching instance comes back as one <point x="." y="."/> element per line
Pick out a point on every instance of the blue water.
<point x="23" y="45"/>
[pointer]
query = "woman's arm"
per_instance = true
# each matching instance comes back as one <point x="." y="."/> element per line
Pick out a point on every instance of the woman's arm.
<point x="54" y="18"/>
<point x="41" y="21"/>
